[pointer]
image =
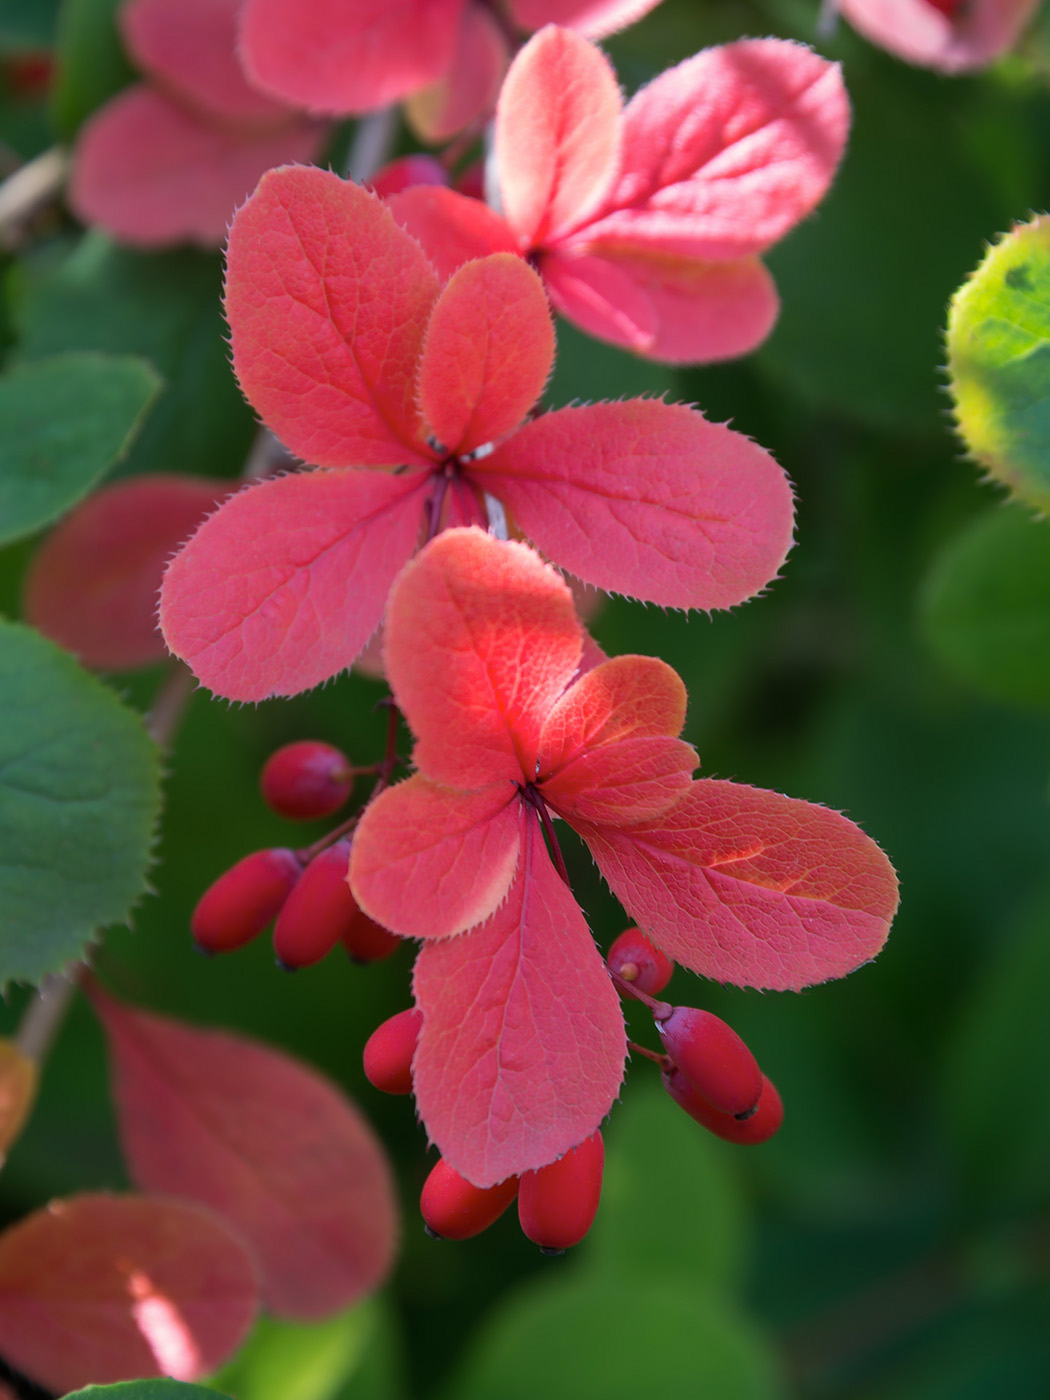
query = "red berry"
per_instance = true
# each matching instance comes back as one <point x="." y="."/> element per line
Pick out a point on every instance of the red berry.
<point x="453" y="1209"/>
<point x="306" y="780"/>
<point x="244" y="900"/>
<point x="713" y="1058"/>
<point x="557" y="1204"/>
<point x="761" y="1125"/>
<point x="638" y="961"/>
<point x="406" y="172"/>
<point x="389" y="1050"/>
<point x="318" y="911"/>
<point x="366" y="941"/>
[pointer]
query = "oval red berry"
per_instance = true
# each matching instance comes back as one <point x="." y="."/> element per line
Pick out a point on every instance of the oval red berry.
<point x="557" y="1204"/>
<point x="389" y="1050"/>
<point x="760" y="1127"/>
<point x="456" y="1210"/>
<point x="306" y="780"/>
<point x="713" y="1058"/>
<point x="318" y="912"/>
<point x="638" y="961"/>
<point x="244" y="900"/>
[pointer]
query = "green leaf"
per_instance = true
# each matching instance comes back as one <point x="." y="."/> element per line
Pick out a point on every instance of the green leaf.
<point x="79" y="796"/>
<point x="985" y="608"/>
<point x="165" y="307"/>
<point x="65" y="421"/>
<point x="92" y="65"/>
<point x="350" y="1354"/>
<point x="994" y="1083"/>
<point x="617" y="1339"/>
<point x="143" y="1390"/>
<point x="999" y="361"/>
<point x="658" y="1161"/>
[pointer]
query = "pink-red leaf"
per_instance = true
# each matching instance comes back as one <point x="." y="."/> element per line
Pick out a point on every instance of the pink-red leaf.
<point x="679" y="310"/>
<point x="467" y="92"/>
<point x="594" y="18"/>
<point x="920" y="32"/>
<point x="102" y="1288"/>
<point x="92" y="585"/>
<point x="428" y="861"/>
<point x="328" y="300"/>
<point x="622" y="783"/>
<point x="266" y="1142"/>
<point x="522" y="1049"/>
<point x="189" y="48"/>
<point x="727" y="151"/>
<point x="648" y="499"/>
<point x="150" y="172"/>
<point x="451" y="227"/>
<point x="283" y="586"/>
<point x="487" y="354"/>
<point x="752" y="888"/>
<point x="331" y="56"/>
<point x="557" y="135"/>
<point x="481" y="639"/>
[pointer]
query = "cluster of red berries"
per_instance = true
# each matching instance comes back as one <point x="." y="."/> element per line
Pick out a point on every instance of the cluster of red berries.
<point x="706" y="1068"/>
<point x="305" y="891"/>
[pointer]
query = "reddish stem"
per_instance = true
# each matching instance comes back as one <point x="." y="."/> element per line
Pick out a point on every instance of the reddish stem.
<point x="660" y="1009"/>
<point x="385" y="768"/>
<point x="533" y="798"/>
<point x="664" y="1061"/>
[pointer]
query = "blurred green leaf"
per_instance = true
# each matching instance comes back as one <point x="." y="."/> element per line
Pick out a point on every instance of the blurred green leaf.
<point x="165" y="307"/>
<point x="65" y="421"/>
<point x="618" y="1339"/>
<point x="315" y="1361"/>
<point x="999" y="361"/>
<point x="27" y="24"/>
<point x="79" y="796"/>
<point x="92" y="65"/>
<point x="986" y="606"/>
<point x="994" y="1077"/>
<point x="669" y="1203"/>
<point x="143" y="1390"/>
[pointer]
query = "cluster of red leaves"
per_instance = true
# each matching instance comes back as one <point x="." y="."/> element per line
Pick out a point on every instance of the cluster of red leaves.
<point x="266" y="1186"/>
<point x="169" y="159"/>
<point x="954" y="36"/>
<point x="446" y="56"/>
<point x="356" y="356"/>
<point x="647" y="221"/>
<point x="522" y="1046"/>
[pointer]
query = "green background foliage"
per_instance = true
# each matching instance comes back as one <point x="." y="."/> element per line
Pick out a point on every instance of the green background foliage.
<point x="889" y="1244"/>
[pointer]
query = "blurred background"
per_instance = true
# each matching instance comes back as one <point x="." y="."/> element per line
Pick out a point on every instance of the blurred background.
<point x="893" y="1242"/>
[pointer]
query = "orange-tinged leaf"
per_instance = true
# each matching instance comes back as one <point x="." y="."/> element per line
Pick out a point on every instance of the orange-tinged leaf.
<point x="750" y="887"/>
<point x="623" y="782"/>
<point x="625" y="698"/>
<point x="151" y="172"/>
<point x="328" y="300"/>
<point x="481" y="638"/>
<point x="101" y="1288"/>
<point x="265" y="1141"/>
<point x="488" y="351"/>
<point x="92" y="585"/>
<point x="451" y="227"/>
<point x="428" y="861"/>
<point x="283" y="586"/>
<point x="557" y="135"/>
<point x="647" y="499"/>
<point x="18" y="1080"/>
<point x="467" y="91"/>
<point x="522" y="1049"/>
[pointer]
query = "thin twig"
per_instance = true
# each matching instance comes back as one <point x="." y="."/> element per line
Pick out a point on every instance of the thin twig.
<point x="168" y="705"/>
<point x="46" y="1012"/>
<point x="372" y="144"/>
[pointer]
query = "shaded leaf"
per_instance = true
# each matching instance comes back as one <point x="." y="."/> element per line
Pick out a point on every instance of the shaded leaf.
<point x="144" y="1390"/>
<point x="107" y="1288"/>
<point x="64" y="423"/>
<point x="79" y="796"/>
<point x="264" y="1140"/>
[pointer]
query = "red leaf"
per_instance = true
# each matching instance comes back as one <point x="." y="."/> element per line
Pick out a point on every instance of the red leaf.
<point x="595" y="18"/>
<point x="189" y="48"/>
<point x="487" y="354"/>
<point x="648" y="499"/>
<point x="481" y="639"/>
<point x="726" y="152"/>
<point x="92" y="585"/>
<point x="917" y="31"/>
<point x="428" y="861"/>
<point x="103" y="1288"/>
<point x="328" y="301"/>
<point x="622" y="783"/>
<point x="282" y="587"/>
<point x="679" y="310"/>
<point x="557" y="135"/>
<point x="752" y="888"/>
<point x="328" y="56"/>
<point x="522" y="1049"/>
<point x="451" y="227"/>
<point x="263" y="1140"/>
<point x="467" y="92"/>
<point x="149" y="172"/>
